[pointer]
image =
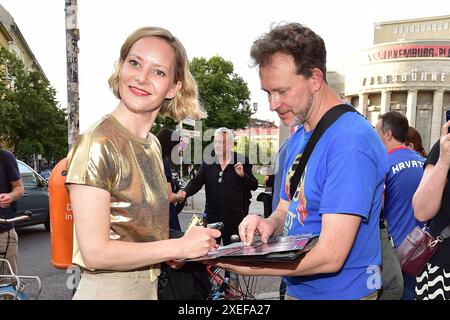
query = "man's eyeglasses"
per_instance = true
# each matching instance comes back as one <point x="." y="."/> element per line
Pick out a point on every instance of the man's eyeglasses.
<point x="220" y="177"/>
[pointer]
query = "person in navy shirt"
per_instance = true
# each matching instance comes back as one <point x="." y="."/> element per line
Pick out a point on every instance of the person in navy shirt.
<point x="11" y="190"/>
<point x="405" y="169"/>
<point x="169" y="141"/>
<point x="339" y="195"/>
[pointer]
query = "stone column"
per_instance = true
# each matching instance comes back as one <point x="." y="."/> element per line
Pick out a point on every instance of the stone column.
<point x="411" y="106"/>
<point x="385" y="101"/>
<point x="348" y="99"/>
<point x="362" y="104"/>
<point x="436" y="117"/>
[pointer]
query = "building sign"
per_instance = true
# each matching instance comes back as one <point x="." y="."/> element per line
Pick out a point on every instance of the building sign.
<point x="413" y="76"/>
<point x="412" y="51"/>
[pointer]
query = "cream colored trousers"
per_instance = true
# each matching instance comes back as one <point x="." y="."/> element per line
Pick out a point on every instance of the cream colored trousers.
<point x="131" y="285"/>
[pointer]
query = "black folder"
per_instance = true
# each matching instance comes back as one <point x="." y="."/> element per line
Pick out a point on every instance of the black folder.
<point x="279" y="249"/>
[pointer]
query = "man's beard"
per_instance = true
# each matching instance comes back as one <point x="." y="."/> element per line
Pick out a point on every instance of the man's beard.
<point x="302" y="115"/>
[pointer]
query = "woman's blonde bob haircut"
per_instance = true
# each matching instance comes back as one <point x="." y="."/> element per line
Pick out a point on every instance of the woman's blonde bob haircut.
<point x="185" y="104"/>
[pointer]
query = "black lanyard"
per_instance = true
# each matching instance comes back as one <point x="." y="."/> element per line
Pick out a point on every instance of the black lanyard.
<point x="327" y="120"/>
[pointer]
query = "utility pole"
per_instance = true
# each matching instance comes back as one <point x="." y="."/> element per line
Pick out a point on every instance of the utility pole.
<point x="72" y="37"/>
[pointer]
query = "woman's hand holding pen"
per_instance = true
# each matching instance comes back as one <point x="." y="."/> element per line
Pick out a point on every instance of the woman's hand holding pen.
<point x="198" y="241"/>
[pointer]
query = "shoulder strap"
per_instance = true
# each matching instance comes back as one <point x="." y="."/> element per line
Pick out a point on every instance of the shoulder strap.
<point x="327" y="120"/>
<point x="445" y="233"/>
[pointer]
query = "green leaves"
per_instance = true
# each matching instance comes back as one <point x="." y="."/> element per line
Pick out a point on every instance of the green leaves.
<point x="30" y="120"/>
<point x="223" y="93"/>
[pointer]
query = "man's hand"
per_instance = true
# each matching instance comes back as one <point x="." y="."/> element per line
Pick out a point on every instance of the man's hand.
<point x="5" y="200"/>
<point x="256" y="224"/>
<point x="239" y="168"/>
<point x="181" y="195"/>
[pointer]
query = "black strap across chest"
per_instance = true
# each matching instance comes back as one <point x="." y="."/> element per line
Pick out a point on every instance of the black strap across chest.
<point x="325" y="122"/>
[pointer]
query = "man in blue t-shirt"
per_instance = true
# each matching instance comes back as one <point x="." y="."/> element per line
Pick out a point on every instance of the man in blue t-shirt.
<point x="405" y="170"/>
<point x="339" y="195"/>
<point x="11" y="189"/>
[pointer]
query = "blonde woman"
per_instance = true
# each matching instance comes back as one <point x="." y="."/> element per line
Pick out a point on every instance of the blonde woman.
<point x="116" y="178"/>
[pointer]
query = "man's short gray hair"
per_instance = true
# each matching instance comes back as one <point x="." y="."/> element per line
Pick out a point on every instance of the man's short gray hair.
<point x="224" y="130"/>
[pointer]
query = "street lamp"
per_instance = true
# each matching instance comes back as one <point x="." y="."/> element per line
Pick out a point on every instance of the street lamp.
<point x="255" y="108"/>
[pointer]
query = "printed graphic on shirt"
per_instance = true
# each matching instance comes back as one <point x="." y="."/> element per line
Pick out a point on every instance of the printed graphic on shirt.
<point x="406" y="165"/>
<point x="289" y="175"/>
<point x="301" y="212"/>
<point x="402" y="180"/>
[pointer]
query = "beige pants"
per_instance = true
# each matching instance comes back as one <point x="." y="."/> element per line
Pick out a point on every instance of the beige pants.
<point x="132" y="285"/>
<point x="11" y="255"/>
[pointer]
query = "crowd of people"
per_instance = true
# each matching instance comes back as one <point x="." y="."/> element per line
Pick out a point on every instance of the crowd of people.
<point x="359" y="185"/>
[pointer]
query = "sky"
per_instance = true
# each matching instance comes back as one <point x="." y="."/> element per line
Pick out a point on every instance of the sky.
<point x="205" y="27"/>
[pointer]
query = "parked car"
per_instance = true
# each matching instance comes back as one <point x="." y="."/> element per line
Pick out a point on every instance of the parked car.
<point x="45" y="173"/>
<point x="35" y="198"/>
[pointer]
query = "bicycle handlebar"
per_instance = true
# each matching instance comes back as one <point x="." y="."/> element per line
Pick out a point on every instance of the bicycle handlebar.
<point x="26" y="216"/>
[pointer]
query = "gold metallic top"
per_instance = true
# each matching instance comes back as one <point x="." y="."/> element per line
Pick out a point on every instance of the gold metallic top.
<point x="110" y="157"/>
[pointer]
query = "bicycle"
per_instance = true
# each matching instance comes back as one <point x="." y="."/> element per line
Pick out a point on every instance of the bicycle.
<point x="243" y="287"/>
<point x="237" y="287"/>
<point x="15" y="289"/>
<point x="240" y="287"/>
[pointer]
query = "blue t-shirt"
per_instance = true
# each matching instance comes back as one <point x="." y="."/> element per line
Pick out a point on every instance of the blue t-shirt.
<point x="344" y="175"/>
<point x="405" y="170"/>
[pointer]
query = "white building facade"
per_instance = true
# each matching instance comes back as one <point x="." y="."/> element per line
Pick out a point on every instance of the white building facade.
<point x="407" y="70"/>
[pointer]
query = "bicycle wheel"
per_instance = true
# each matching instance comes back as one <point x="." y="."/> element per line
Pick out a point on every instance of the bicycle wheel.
<point x="221" y="287"/>
<point x="260" y="287"/>
<point x="9" y="292"/>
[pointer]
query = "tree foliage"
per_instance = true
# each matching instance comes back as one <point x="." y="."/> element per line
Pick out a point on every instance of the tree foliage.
<point x="30" y="120"/>
<point x="163" y="122"/>
<point x="224" y="94"/>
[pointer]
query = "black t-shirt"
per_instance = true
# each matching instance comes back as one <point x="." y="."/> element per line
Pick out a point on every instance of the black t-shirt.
<point x="9" y="171"/>
<point x="442" y="219"/>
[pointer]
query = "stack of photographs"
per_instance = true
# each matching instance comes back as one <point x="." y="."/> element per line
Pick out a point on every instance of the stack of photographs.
<point x="280" y="249"/>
